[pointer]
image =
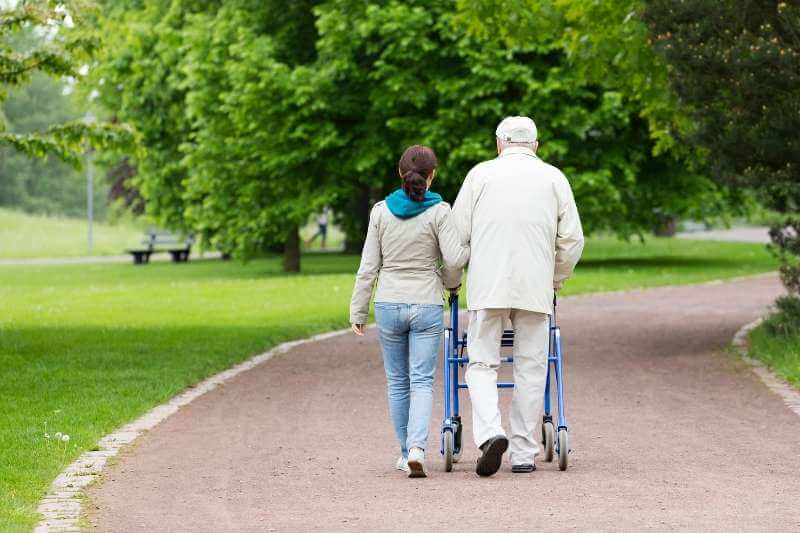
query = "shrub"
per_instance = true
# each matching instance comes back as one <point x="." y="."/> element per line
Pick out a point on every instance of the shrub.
<point x="785" y="320"/>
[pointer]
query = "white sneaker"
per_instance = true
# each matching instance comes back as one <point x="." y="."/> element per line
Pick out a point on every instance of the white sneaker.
<point x="402" y="464"/>
<point x="416" y="463"/>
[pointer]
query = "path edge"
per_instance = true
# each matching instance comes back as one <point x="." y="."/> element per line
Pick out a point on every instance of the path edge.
<point x="741" y="344"/>
<point x="60" y="509"/>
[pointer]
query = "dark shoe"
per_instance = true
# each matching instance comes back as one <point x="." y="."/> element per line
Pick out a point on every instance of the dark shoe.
<point x="526" y="468"/>
<point x="493" y="450"/>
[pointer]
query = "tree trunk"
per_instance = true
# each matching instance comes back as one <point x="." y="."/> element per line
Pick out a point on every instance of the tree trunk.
<point x="667" y="227"/>
<point x="291" y="252"/>
<point x="356" y="231"/>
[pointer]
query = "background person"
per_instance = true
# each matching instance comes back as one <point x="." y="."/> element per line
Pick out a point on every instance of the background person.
<point x="518" y="216"/>
<point x="322" y="228"/>
<point x="408" y="239"/>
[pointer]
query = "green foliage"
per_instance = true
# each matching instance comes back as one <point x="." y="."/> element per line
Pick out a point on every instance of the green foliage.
<point x="737" y="64"/>
<point x="605" y="43"/>
<point x="785" y="318"/>
<point x="45" y="185"/>
<point x="780" y="352"/>
<point x="449" y="81"/>
<point x="138" y="79"/>
<point x="231" y="153"/>
<point x="254" y="167"/>
<point x="63" y="47"/>
<point x="255" y="114"/>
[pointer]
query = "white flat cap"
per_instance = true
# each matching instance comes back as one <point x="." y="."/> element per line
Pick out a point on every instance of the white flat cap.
<point x="516" y="130"/>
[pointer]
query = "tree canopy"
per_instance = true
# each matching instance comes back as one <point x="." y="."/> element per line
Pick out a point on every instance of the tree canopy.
<point x="736" y="65"/>
<point x="254" y="114"/>
<point x="61" y="52"/>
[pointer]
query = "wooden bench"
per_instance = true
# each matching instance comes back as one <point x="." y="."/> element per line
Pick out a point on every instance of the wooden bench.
<point x="160" y="241"/>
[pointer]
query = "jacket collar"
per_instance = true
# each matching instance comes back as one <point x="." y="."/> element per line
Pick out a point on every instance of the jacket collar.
<point x="517" y="150"/>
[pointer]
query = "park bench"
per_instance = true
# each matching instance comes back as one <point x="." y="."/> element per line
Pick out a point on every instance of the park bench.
<point x="160" y="241"/>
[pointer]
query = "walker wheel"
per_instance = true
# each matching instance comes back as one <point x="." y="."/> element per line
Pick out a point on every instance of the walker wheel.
<point x="563" y="449"/>
<point x="548" y="433"/>
<point x="447" y="450"/>
<point x="457" y="446"/>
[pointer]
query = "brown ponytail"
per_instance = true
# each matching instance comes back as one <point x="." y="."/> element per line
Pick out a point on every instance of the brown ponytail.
<point x="416" y="164"/>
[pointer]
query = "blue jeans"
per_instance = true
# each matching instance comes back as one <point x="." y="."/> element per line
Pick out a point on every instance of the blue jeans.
<point x="410" y="335"/>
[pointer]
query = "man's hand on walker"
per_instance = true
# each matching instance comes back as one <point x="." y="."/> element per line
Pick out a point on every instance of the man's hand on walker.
<point x="358" y="329"/>
<point x="557" y="285"/>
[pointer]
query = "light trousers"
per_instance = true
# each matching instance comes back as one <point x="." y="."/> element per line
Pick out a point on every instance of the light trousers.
<point x="531" y="336"/>
<point x="410" y="337"/>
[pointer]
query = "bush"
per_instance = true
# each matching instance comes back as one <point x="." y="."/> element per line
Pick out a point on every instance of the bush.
<point x="785" y="320"/>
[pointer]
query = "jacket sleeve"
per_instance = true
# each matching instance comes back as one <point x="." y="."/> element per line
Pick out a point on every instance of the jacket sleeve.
<point x="371" y="260"/>
<point x="454" y="254"/>
<point x="461" y="216"/>
<point x="569" y="235"/>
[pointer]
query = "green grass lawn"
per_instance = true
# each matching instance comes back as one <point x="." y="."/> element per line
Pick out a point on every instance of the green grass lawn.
<point x="780" y="353"/>
<point x="87" y="348"/>
<point x="23" y="236"/>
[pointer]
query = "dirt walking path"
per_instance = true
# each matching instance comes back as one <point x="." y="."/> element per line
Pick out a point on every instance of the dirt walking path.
<point x="738" y="234"/>
<point x="668" y="430"/>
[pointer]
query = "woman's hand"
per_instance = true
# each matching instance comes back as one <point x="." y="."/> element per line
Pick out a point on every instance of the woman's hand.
<point x="358" y="329"/>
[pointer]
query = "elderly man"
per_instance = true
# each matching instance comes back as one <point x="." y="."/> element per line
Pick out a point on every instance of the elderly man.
<point x="518" y="215"/>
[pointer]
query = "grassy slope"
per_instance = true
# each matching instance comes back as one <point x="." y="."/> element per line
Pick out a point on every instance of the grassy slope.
<point x="86" y="348"/>
<point x="27" y="236"/>
<point x="781" y="354"/>
<point x="23" y="235"/>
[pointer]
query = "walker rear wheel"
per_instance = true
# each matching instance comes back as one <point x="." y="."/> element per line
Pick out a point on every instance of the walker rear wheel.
<point x="457" y="446"/>
<point x="447" y="450"/>
<point x="548" y="433"/>
<point x="563" y="449"/>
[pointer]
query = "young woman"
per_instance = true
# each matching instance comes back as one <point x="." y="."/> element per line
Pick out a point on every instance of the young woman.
<point x="414" y="253"/>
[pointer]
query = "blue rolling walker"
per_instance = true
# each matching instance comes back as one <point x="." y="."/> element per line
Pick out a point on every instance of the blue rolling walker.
<point x="555" y="440"/>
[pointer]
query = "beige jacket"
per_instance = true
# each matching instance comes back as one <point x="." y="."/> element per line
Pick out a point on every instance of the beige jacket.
<point x="518" y="216"/>
<point x="406" y="256"/>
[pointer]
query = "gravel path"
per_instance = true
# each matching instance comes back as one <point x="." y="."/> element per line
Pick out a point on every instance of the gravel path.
<point x="669" y="431"/>
<point x="740" y="234"/>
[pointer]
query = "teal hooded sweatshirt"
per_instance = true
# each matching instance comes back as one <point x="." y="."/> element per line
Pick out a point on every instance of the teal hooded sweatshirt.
<point x="402" y="206"/>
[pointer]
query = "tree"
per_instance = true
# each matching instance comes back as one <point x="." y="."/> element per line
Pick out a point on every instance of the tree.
<point x="220" y="96"/>
<point x="253" y="114"/>
<point x="61" y="53"/>
<point x="40" y="185"/>
<point x="451" y="79"/>
<point x="256" y="155"/>
<point x="136" y="73"/>
<point x="736" y="64"/>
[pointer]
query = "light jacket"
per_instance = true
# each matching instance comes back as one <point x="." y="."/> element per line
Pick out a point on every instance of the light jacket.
<point x="519" y="218"/>
<point x="407" y="256"/>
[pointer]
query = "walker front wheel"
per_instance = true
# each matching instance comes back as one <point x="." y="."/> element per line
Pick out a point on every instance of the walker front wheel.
<point x="548" y="434"/>
<point x="563" y="449"/>
<point x="447" y="450"/>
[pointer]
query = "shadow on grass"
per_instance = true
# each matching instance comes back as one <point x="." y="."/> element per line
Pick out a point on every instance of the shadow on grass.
<point x="658" y="262"/>
<point x="198" y="270"/>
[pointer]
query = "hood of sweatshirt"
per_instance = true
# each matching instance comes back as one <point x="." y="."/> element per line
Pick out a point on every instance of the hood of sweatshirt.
<point x="402" y="206"/>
